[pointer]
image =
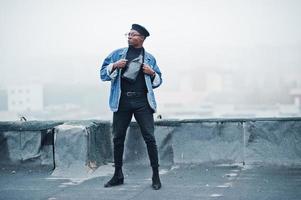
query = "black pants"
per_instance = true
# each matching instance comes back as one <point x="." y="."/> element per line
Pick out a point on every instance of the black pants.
<point x="143" y="114"/>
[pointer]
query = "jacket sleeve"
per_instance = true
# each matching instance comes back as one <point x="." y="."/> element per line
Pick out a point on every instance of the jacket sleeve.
<point x="106" y="73"/>
<point x="157" y="80"/>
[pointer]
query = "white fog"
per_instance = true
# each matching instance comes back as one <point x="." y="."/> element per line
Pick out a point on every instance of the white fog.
<point x="219" y="58"/>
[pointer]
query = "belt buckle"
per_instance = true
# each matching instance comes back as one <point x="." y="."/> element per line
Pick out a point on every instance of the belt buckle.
<point x="130" y="94"/>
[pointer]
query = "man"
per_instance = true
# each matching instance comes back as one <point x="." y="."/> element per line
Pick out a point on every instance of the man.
<point x="134" y="74"/>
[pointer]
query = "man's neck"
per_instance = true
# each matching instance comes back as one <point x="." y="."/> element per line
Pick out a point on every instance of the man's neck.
<point x="137" y="46"/>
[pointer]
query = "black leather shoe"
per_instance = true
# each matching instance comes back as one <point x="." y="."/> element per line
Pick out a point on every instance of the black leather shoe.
<point x="156" y="183"/>
<point x="115" y="180"/>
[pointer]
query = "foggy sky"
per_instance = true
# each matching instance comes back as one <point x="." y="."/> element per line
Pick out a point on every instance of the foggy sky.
<point x="66" y="41"/>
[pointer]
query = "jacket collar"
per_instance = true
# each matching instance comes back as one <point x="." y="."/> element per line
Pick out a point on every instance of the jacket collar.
<point x="123" y="52"/>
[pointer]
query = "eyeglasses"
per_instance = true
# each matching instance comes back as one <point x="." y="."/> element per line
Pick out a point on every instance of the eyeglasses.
<point x="131" y="34"/>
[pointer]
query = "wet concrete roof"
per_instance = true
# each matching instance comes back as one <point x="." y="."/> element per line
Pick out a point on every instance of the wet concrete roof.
<point x="188" y="181"/>
<point x="200" y="158"/>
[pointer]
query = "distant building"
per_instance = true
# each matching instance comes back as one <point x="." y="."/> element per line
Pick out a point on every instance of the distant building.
<point x="3" y="100"/>
<point x="296" y="94"/>
<point x="25" y="98"/>
<point x="190" y="91"/>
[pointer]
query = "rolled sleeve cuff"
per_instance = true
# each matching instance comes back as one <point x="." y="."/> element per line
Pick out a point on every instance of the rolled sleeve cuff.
<point x="111" y="74"/>
<point x="156" y="80"/>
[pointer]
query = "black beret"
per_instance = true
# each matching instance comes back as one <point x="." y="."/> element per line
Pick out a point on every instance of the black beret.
<point x="140" y="29"/>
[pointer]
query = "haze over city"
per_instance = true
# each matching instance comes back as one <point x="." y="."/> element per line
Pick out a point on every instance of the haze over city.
<point x="211" y="52"/>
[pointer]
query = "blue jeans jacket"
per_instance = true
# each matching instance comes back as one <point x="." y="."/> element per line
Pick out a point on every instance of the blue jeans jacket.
<point x="115" y="77"/>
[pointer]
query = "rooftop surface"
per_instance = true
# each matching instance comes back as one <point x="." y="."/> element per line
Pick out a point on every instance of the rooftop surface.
<point x="231" y="159"/>
<point x="189" y="181"/>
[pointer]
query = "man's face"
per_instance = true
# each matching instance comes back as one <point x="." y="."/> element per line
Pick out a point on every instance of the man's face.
<point x="135" y="38"/>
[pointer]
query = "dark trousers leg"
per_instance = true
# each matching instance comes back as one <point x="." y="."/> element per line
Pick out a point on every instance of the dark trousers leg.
<point x="145" y="119"/>
<point x="121" y="121"/>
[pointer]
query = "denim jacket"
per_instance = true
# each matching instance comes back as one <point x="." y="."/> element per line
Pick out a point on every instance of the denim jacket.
<point x="115" y="77"/>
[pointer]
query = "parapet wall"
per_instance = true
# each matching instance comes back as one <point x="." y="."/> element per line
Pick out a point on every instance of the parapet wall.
<point x="88" y="144"/>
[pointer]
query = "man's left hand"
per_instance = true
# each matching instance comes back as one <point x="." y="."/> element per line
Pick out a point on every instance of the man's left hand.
<point x="148" y="70"/>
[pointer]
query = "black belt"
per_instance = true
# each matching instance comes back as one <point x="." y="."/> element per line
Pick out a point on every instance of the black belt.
<point x="133" y="94"/>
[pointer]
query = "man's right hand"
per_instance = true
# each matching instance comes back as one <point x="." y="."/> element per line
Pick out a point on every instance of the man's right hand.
<point x="120" y="64"/>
